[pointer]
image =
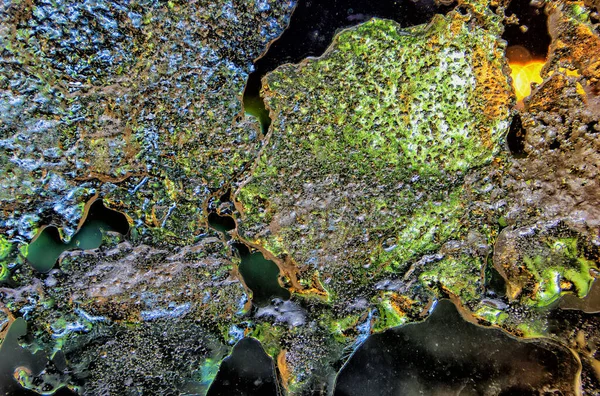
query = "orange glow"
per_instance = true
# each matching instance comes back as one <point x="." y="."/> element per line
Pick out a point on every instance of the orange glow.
<point x="523" y="75"/>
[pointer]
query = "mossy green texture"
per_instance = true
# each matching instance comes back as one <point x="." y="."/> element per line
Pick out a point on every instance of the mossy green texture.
<point x="375" y="161"/>
<point x="460" y="276"/>
<point x="492" y="315"/>
<point x="426" y="227"/>
<point x="269" y="336"/>
<point x="557" y="266"/>
<point x="5" y="249"/>
<point x="543" y="262"/>
<point x="387" y="317"/>
<point x="416" y="91"/>
<point x="339" y="328"/>
<point x="370" y="145"/>
<point x="4" y="271"/>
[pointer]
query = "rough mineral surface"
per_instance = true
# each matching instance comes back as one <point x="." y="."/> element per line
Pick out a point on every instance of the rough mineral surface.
<point x="545" y="260"/>
<point x="383" y="185"/>
<point x="366" y="175"/>
<point x="370" y="181"/>
<point x="137" y="102"/>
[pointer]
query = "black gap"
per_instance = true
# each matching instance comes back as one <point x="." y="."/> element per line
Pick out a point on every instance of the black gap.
<point x="13" y="355"/>
<point x="516" y="137"/>
<point x="446" y="354"/>
<point x="529" y="39"/>
<point x="240" y="249"/>
<point x="64" y="391"/>
<point x="312" y="27"/>
<point x="221" y="223"/>
<point x="247" y="371"/>
<point x="45" y="249"/>
<point x="555" y="144"/>
<point x="346" y="355"/>
<point x="114" y="220"/>
<point x="593" y="5"/>
<point x="220" y="216"/>
<point x="591" y="251"/>
<point x="53" y="234"/>
<point x="569" y="131"/>
<point x="591" y="127"/>
<point x="60" y="361"/>
<point x="46" y="216"/>
<point x="495" y="285"/>
<point x="462" y="11"/>
<point x="221" y="204"/>
<point x="226" y="196"/>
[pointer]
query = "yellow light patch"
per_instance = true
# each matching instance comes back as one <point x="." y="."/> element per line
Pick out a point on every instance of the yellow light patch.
<point x="580" y="90"/>
<point x="523" y="75"/>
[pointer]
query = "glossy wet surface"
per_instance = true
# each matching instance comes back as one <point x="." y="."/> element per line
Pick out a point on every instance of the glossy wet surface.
<point x="589" y="304"/>
<point x="447" y="355"/>
<point x="247" y="371"/>
<point x="12" y="356"/>
<point x="140" y="103"/>
<point x="261" y="276"/>
<point x="46" y="248"/>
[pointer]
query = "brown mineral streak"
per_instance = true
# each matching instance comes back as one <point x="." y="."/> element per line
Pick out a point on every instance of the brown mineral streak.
<point x="283" y="369"/>
<point x="286" y="266"/>
<point x="11" y="318"/>
<point x="490" y="86"/>
<point x="107" y="178"/>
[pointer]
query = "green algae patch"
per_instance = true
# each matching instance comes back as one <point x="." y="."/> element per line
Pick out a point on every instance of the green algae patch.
<point x="6" y="248"/>
<point x="417" y="87"/>
<point x="392" y="310"/>
<point x="491" y="315"/>
<point x="346" y="327"/>
<point x="460" y="276"/>
<point x="359" y="185"/>
<point x="269" y="336"/>
<point x="545" y="261"/>
<point x="421" y="231"/>
<point x="4" y="271"/>
<point x="375" y="169"/>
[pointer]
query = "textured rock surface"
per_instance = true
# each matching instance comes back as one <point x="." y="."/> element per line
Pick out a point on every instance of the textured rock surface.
<point x="368" y="174"/>
<point x="383" y="185"/>
<point x="138" y="102"/>
<point x="545" y="260"/>
<point x="135" y="100"/>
